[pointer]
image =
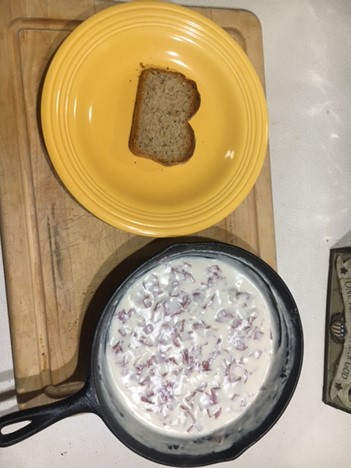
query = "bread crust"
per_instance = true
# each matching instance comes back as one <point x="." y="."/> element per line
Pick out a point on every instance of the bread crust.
<point x="187" y="128"/>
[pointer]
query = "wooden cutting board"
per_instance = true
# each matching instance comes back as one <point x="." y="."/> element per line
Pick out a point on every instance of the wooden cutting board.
<point x="60" y="261"/>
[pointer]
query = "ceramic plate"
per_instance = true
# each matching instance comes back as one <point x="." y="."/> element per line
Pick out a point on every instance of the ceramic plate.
<point x="87" y="106"/>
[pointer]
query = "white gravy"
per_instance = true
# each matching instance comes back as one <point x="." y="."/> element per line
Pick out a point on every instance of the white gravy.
<point x="189" y="345"/>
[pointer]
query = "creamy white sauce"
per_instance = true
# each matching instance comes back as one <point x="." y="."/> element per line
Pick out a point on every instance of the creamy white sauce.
<point x="189" y="345"/>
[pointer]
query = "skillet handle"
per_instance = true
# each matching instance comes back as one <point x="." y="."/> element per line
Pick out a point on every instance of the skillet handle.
<point x="38" y="418"/>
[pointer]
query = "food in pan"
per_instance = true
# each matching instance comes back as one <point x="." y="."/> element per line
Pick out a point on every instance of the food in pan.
<point x="165" y="101"/>
<point x="189" y="345"/>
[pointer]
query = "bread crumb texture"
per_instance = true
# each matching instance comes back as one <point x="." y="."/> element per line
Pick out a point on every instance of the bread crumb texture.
<point x="165" y="101"/>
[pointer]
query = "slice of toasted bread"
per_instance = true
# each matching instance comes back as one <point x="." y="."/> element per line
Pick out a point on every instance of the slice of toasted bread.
<point x="165" y="101"/>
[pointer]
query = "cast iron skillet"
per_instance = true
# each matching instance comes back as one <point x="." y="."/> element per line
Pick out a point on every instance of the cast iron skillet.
<point x="225" y="443"/>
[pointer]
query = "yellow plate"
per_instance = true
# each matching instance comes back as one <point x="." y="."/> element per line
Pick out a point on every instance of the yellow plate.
<point x="87" y="107"/>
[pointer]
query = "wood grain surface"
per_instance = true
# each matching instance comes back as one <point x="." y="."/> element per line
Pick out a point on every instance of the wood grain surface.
<point x="61" y="263"/>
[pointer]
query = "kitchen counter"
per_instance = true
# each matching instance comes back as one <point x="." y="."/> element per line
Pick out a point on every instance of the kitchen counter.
<point x="307" y="52"/>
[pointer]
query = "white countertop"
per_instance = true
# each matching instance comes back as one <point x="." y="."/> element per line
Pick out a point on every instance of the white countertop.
<point x="307" y="48"/>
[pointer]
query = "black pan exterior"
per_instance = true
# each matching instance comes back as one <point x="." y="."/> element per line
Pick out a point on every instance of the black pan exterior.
<point x="225" y="443"/>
